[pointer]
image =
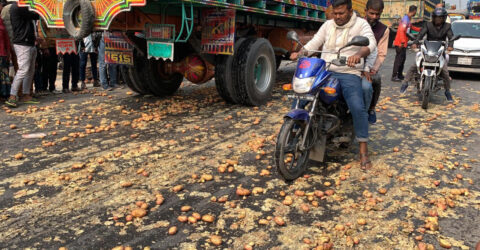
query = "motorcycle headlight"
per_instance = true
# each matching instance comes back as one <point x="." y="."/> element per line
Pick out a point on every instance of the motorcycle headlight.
<point x="302" y="85"/>
<point x="431" y="57"/>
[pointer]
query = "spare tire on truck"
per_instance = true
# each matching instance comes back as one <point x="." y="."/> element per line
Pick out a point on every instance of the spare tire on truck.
<point x="254" y="71"/>
<point x="78" y="18"/>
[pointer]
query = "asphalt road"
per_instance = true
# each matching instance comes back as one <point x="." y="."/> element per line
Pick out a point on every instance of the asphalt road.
<point x="108" y="155"/>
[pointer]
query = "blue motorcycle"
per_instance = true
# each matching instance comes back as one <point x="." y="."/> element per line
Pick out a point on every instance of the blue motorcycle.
<point x="320" y="115"/>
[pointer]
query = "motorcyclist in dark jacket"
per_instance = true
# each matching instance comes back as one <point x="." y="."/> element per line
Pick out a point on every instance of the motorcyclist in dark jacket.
<point x="437" y="30"/>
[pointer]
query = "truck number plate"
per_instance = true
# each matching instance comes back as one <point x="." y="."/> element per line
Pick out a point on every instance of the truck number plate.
<point x="465" y="60"/>
<point x="119" y="57"/>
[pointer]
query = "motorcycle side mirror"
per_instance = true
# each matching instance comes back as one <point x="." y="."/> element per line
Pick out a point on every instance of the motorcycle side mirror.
<point x="358" y="41"/>
<point x="293" y="36"/>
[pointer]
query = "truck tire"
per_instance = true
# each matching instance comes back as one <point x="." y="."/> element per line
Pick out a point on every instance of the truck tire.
<point x="159" y="83"/>
<point x="254" y="71"/>
<point x="224" y="77"/>
<point x="124" y="71"/>
<point x="136" y="73"/>
<point x="72" y="10"/>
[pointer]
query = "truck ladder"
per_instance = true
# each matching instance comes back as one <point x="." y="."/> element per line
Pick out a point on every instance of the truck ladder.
<point x="187" y="23"/>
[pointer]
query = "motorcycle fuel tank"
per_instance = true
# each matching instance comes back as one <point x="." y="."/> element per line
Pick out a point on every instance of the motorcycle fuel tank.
<point x="308" y="67"/>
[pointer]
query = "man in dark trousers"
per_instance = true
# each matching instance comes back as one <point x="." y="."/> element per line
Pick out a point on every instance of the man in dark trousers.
<point x="71" y="66"/>
<point x="24" y="46"/>
<point x="401" y="41"/>
<point x="373" y="11"/>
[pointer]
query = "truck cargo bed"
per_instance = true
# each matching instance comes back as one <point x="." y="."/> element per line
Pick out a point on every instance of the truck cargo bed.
<point x="302" y="10"/>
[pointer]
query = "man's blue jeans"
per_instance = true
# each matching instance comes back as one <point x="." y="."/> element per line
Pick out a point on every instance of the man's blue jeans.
<point x="112" y="69"/>
<point x="353" y="94"/>
<point x="367" y="92"/>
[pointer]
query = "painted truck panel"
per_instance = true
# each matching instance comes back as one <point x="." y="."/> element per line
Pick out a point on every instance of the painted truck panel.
<point x="106" y="10"/>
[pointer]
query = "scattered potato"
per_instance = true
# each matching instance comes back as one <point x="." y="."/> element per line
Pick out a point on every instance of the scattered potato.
<point x="216" y="240"/>
<point x="172" y="230"/>
<point x="279" y="221"/>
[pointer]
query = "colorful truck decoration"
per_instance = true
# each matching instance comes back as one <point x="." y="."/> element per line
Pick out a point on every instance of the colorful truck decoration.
<point x="105" y="10"/>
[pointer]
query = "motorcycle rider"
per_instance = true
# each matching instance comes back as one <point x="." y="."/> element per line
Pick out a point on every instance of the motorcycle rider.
<point x="333" y="35"/>
<point x="437" y="30"/>
<point x="372" y="81"/>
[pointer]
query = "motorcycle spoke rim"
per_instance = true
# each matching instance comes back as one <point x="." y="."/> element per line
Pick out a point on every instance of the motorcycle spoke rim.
<point x="291" y="150"/>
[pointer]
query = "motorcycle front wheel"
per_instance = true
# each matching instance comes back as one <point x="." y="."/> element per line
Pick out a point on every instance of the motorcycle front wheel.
<point x="290" y="160"/>
<point x="426" y="91"/>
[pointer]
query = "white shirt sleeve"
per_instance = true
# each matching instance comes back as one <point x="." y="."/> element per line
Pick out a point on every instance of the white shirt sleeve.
<point x="318" y="39"/>
<point x="370" y="61"/>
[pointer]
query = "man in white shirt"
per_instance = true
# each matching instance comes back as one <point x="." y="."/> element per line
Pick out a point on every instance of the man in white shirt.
<point x="333" y="35"/>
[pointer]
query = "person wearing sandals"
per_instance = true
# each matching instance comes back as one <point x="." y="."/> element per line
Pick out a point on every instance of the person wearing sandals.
<point x="333" y="35"/>
<point x="5" y="52"/>
<point x="24" y="46"/>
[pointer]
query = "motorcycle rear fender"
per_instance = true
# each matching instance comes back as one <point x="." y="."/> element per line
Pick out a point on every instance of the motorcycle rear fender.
<point x="298" y="114"/>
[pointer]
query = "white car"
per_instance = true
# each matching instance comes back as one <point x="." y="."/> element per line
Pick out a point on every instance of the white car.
<point x="465" y="56"/>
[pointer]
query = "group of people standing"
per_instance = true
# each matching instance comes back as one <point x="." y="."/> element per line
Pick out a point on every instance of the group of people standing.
<point x="28" y="60"/>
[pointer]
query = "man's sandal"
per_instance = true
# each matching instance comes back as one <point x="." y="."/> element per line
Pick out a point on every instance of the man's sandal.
<point x="12" y="103"/>
<point x="365" y="165"/>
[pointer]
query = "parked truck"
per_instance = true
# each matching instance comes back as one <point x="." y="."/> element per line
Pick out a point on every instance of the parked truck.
<point x="162" y="42"/>
<point x="473" y="7"/>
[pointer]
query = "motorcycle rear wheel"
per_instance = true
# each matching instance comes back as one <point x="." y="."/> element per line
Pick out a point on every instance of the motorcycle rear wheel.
<point x="291" y="162"/>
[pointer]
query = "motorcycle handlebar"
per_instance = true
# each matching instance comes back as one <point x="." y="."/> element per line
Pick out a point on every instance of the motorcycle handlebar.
<point x="342" y="61"/>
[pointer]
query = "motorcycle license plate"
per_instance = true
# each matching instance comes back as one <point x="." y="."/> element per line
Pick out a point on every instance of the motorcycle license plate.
<point x="464" y="60"/>
<point x="301" y="97"/>
<point x="431" y="64"/>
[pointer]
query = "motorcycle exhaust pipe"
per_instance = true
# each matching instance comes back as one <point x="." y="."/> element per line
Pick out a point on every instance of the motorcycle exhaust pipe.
<point x="337" y="122"/>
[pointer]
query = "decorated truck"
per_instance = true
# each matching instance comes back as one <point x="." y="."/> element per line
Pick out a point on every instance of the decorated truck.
<point x="396" y="9"/>
<point x="473" y="7"/>
<point x="162" y="42"/>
